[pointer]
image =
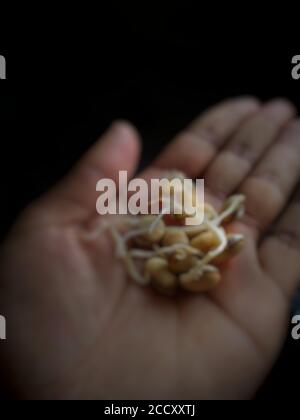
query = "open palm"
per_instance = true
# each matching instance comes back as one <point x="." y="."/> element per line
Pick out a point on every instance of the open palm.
<point x="78" y="328"/>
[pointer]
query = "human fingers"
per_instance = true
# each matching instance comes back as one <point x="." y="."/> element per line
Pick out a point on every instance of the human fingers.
<point x="74" y="198"/>
<point x="247" y="146"/>
<point x="280" y="250"/>
<point x="195" y="147"/>
<point x="272" y="182"/>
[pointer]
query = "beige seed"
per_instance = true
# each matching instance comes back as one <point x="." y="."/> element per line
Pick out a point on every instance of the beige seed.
<point x="155" y="265"/>
<point x="157" y="233"/>
<point x="205" y="241"/>
<point x="165" y="282"/>
<point x="161" y="278"/>
<point x="196" y="282"/>
<point x="175" y="236"/>
<point x="235" y="244"/>
<point x="179" y="265"/>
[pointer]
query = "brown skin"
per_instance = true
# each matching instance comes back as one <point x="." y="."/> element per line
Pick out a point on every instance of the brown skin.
<point x="78" y="328"/>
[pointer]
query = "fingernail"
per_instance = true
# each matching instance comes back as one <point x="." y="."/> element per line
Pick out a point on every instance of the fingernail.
<point x="248" y="100"/>
<point x="122" y="128"/>
<point x="120" y="135"/>
<point x="280" y="107"/>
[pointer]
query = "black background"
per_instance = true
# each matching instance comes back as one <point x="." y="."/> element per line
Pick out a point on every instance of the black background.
<point x="67" y="81"/>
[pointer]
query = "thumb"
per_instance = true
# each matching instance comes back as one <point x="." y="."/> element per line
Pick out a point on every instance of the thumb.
<point x="74" y="198"/>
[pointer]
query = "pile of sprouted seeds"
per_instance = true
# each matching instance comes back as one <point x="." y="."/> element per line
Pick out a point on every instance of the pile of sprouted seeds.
<point x="165" y="252"/>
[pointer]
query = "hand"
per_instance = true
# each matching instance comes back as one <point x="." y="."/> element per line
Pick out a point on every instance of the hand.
<point x="78" y="328"/>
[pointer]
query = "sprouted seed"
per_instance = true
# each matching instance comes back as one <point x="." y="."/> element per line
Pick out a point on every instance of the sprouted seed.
<point x="177" y="256"/>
